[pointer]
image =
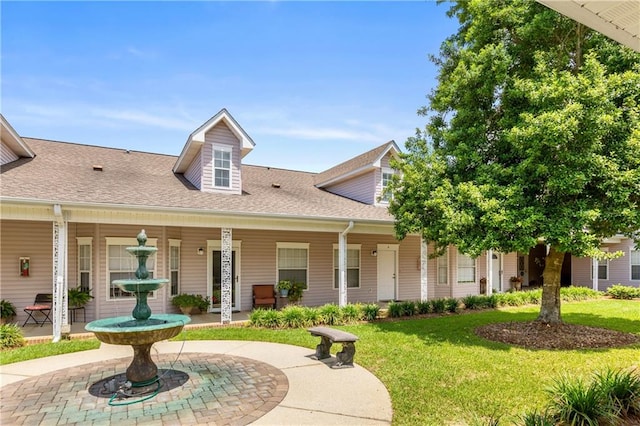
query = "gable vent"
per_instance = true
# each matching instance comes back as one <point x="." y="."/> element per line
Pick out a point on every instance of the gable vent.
<point x="97" y="167"/>
<point x="275" y="185"/>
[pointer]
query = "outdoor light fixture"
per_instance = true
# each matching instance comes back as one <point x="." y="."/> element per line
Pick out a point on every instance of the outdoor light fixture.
<point x="374" y="253"/>
<point x="200" y="251"/>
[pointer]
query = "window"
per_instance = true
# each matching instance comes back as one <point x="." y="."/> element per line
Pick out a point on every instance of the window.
<point x="466" y="269"/>
<point x="387" y="176"/>
<point x="353" y="266"/>
<point x="122" y="265"/>
<point x="603" y="269"/>
<point x="84" y="263"/>
<point x="635" y="264"/>
<point x="293" y="261"/>
<point x="222" y="167"/>
<point x="443" y="269"/>
<point x="174" y="266"/>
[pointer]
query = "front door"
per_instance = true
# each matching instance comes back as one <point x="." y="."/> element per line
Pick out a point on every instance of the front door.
<point x="387" y="272"/>
<point x="216" y="289"/>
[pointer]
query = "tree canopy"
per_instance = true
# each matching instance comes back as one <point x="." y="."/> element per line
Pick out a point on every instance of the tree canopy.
<point x="533" y="136"/>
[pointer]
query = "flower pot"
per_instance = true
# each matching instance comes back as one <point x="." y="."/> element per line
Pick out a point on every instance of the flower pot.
<point x="188" y="310"/>
<point x="284" y="292"/>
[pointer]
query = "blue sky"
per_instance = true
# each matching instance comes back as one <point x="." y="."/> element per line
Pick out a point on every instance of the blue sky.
<point x="313" y="83"/>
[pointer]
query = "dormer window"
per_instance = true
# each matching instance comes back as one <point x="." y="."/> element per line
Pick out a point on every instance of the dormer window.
<point x="222" y="167"/>
<point x="387" y="176"/>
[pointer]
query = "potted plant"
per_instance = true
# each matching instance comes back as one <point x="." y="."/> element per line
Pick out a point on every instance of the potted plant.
<point x="284" y="286"/>
<point x="483" y="285"/>
<point x="190" y="303"/>
<point x="7" y="311"/>
<point x="516" y="283"/>
<point x="295" y="292"/>
<point x="77" y="297"/>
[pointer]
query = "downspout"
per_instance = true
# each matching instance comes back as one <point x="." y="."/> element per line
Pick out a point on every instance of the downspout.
<point x="60" y="303"/>
<point x="342" y="256"/>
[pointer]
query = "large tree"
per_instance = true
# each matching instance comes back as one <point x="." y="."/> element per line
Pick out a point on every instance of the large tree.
<point x="533" y="136"/>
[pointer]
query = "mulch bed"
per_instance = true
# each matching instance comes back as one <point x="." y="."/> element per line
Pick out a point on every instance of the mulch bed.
<point x="538" y="335"/>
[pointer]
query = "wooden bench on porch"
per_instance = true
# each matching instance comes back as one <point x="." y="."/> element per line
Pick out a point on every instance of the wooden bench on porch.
<point x="328" y="337"/>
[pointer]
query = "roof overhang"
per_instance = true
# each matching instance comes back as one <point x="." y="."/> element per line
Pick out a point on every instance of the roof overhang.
<point x="617" y="19"/>
<point x="197" y="139"/>
<point x="12" y="139"/>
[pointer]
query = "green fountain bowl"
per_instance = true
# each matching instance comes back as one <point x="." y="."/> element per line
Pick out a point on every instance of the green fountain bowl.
<point x="129" y="331"/>
<point x="138" y="286"/>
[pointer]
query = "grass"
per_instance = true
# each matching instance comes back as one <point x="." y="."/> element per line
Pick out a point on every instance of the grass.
<point x="41" y="350"/>
<point x="438" y="371"/>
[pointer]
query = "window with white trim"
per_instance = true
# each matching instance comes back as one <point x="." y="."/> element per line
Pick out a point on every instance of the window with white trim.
<point x="353" y="266"/>
<point x="84" y="263"/>
<point x="123" y="265"/>
<point x="466" y="269"/>
<point x="222" y="167"/>
<point x="634" y="259"/>
<point x="443" y="268"/>
<point x="293" y="262"/>
<point x="387" y="176"/>
<point x="174" y="266"/>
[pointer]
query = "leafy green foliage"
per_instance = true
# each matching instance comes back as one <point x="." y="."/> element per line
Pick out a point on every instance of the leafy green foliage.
<point x="578" y="403"/>
<point x="330" y="314"/>
<point x="185" y="300"/>
<point x="11" y="336"/>
<point x="619" y="291"/>
<point x="395" y="310"/>
<point x="370" y="311"/>
<point x="7" y="309"/>
<point x="352" y="313"/>
<point x="533" y="132"/>
<point x="621" y="389"/>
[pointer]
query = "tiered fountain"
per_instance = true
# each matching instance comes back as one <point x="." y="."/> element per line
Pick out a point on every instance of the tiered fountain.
<point x="144" y="329"/>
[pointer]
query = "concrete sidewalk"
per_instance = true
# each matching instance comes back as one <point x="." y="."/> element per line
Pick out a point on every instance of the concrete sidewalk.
<point x="304" y="391"/>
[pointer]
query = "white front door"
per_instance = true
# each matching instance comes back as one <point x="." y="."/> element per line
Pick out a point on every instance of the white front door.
<point x="387" y="272"/>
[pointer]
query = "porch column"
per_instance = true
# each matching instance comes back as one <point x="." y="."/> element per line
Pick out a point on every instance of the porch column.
<point x="60" y="312"/>
<point x="489" y="272"/>
<point x="342" y="265"/>
<point x="226" y="249"/>
<point x="424" y="257"/>
<point x="594" y="273"/>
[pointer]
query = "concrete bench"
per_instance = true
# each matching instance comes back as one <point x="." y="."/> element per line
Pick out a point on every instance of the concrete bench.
<point x="328" y="337"/>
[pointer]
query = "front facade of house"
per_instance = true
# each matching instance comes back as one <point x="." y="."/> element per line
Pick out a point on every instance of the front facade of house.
<point x="68" y="212"/>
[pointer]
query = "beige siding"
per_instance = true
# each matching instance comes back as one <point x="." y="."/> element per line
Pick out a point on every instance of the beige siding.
<point x="35" y="242"/>
<point x="6" y="154"/>
<point x="194" y="172"/>
<point x="221" y="135"/>
<point x="409" y="268"/>
<point x="361" y="188"/>
<point x="619" y="270"/>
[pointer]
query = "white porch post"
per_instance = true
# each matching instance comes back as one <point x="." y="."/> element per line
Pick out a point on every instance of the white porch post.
<point x="424" y="257"/>
<point x="60" y="312"/>
<point x="226" y="248"/>
<point x="489" y="272"/>
<point x="594" y="273"/>
<point x="342" y="265"/>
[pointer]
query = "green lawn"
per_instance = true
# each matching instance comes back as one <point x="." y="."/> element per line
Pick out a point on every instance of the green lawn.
<point x="438" y="372"/>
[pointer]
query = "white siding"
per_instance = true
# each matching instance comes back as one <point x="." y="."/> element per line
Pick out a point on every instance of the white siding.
<point x="222" y="136"/>
<point x="6" y="154"/>
<point x="360" y="188"/>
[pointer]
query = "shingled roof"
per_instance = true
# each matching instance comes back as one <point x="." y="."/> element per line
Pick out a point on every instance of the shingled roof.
<point x="82" y="174"/>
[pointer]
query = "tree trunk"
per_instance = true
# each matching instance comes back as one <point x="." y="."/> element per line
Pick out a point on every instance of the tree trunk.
<point x="550" y="309"/>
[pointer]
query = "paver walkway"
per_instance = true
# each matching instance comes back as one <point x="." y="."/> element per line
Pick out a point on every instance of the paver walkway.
<point x="203" y="382"/>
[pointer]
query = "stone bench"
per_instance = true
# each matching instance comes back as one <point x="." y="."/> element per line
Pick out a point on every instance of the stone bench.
<point x="328" y="337"/>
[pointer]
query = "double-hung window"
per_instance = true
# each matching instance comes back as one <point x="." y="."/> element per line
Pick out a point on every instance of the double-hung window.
<point x="634" y="257"/>
<point x="387" y="176"/>
<point x="466" y="269"/>
<point x="222" y="167"/>
<point x="293" y="262"/>
<point x="352" y="266"/>
<point x="123" y="265"/>
<point x="84" y="263"/>
<point x="174" y="266"/>
<point x="443" y="268"/>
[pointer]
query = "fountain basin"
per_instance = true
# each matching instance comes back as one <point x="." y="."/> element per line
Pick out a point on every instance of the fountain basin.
<point x="129" y="331"/>
<point x="147" y="285"/>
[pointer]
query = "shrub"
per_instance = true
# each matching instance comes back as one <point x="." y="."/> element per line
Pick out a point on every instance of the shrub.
<point x="537" y="419"/>
<point x="578" y="403"/>
<point x="439" y="306"/>
<point x="351" y="313"/>
<point x="408" y="308"/>
<point x="292" y="316"/>
<point x="424" y="307"/>
<point x="185" y="300"/>
<point x="621" y="389"/>
<point x="620" y="291"/>
<point x="7" y="309"/>
<point x="370" y="311"/>
<point x="268" y="318"/>
<point x="492" y="301"/>
<point x="312" y="317"/>
<point x="395" y="310"/>
<point x="573" y="293"/>
<point x="330" y="314"/>
<point x="452" y="305"/>
<point x="473" y="302"/>
<point x="11" y="336"/>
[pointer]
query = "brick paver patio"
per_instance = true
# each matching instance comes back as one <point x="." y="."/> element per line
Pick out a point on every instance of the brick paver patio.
<point x="196" y="388"/>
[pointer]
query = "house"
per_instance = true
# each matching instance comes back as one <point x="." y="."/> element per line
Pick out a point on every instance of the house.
<point x="68" y="211"/>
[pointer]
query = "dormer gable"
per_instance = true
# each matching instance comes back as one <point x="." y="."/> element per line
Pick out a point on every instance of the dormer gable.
<point x="211" y="157"/>
<point x="12" y="146"/>
<point x="361" y="178"/>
